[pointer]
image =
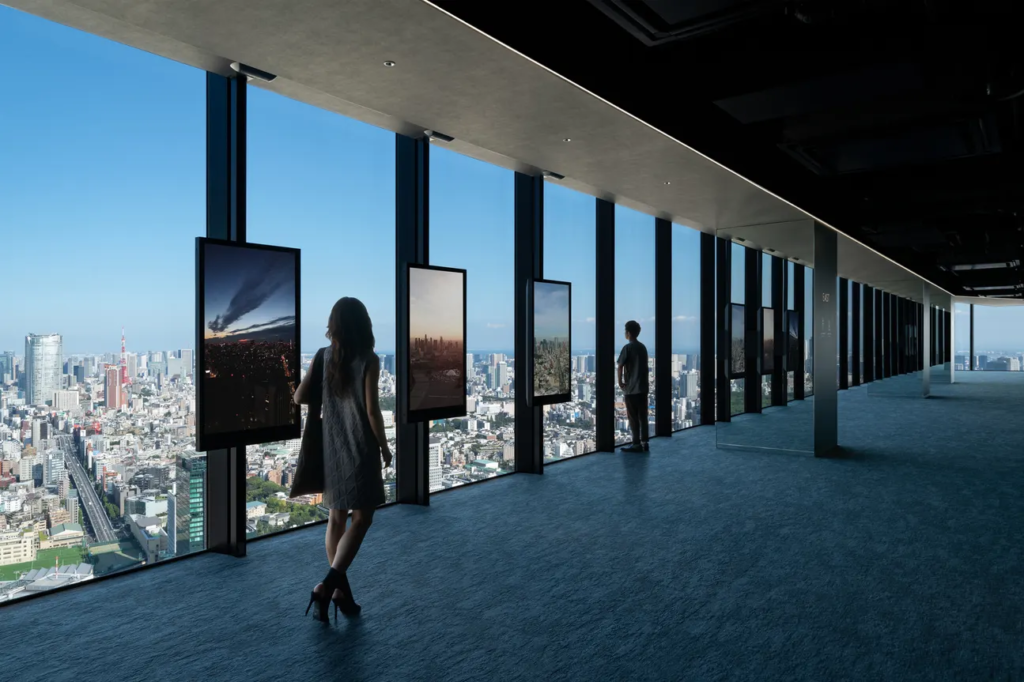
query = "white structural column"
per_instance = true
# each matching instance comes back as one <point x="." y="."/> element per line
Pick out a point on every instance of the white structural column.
<point x="926" y="336"/>
<point x="826" y="354"/>
<point x="952" y="339"/>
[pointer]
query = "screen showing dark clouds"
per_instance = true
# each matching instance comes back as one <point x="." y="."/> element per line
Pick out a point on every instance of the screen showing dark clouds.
<point x="249" y="294"/>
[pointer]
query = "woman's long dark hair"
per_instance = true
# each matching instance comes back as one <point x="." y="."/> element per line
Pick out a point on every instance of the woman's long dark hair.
<point x="351" y="333"/>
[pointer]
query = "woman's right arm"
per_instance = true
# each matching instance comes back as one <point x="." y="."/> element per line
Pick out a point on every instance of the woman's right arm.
<point x="373" y="408"/>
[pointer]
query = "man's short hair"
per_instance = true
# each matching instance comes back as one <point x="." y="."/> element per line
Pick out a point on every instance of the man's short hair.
<point x="633" y="327"/>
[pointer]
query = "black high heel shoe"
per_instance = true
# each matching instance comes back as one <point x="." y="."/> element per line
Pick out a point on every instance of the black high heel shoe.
<point x="334" y="580"/>
<point x="321" y="605"/>
<point x="346" y="603"/>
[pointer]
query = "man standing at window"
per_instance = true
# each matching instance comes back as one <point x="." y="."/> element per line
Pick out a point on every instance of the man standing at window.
<point x="633" y="381"/>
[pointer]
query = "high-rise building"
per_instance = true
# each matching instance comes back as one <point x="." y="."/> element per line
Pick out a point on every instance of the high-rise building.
<point x="133" y="366"/>
<point x="112" y="388"/>
<point x="65" y="400"/>
<point x="501" y="374"/>
<point x="7" y="365"/>
<point x="186" y="361"/>
<point x="434" y="455"/>
<point x="172" y="520"/>
<point x="42" y="367"/>
<point x="53" y="469"/>
<point x="190" y="503"/>
<point x="71" y="504"/>
<point x="688" y="385"/>
<point x="470" y="372"/>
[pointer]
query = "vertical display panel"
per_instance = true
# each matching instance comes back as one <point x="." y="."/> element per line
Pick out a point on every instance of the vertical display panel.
<point x="436" y="380"/>
<point x="551" y="307"/>
<point x="247" y="338"/>
<point x="793" y="349"/>
<point x="737" y="348"/>
<point x="768" y="341"/>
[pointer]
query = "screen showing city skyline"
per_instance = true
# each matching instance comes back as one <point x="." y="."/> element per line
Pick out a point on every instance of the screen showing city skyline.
<point x="768" y="341"/>
<point x="793" y="328"/>
<point x="551" y="338"/>
<point x="437" y="343"/>
<point x="248" y="312"/>
<point x="737" y="359"/>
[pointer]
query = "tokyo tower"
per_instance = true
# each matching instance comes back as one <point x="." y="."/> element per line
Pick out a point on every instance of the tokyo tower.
<point x="124" y="361"/>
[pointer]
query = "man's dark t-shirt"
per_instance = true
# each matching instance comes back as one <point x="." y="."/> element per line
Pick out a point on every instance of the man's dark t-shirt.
<point x="633" y="357"/>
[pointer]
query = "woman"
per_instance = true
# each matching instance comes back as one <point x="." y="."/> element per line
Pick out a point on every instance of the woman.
<point x="354" y="442"/>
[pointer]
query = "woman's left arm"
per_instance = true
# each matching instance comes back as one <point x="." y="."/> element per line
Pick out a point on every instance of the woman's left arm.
<point x="302" y="392"/>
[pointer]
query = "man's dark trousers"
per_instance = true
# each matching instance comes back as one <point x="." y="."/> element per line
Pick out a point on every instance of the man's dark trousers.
<point x="636" y="410"/>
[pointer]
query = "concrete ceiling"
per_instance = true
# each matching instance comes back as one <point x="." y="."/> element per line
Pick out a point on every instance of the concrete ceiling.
<point x="500" y="106"/>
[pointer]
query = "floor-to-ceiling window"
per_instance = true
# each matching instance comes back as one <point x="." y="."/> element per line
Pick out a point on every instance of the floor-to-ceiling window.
<point x="767" y="327"/>
<point x="686" y="278"/>
<point x="323" y="183"/>
<point x="736" y="363"/>
<point x="849" y="312"/>
<point x="998" y="337"/>
<point x="102" y="194"/>
<point x="634" y="300"/>
<point x="808" y="368"/>
<point x="962" y="336"/>
<point x="472" y="226"/>
<point x="791" y="330"/>
<point x="570" y="251"/>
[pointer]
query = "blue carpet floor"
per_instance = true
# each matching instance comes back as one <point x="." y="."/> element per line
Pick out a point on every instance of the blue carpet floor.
<point x="899" y="559"/>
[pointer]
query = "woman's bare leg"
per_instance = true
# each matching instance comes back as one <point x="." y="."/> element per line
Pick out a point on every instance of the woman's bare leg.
<point x="352" y="538"/>
<point x="335" y="529"/>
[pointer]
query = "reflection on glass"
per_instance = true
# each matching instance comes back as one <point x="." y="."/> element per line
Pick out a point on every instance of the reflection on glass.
<point x="737" y="349"/>
<point x="768" y="343"/>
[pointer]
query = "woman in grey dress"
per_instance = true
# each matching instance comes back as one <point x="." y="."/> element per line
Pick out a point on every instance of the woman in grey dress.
<point x="354" y="443"/>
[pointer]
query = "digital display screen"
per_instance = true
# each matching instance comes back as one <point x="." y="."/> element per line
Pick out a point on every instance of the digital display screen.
<point x="437" y="343"/>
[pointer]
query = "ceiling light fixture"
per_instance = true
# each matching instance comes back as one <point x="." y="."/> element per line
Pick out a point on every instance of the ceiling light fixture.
<point x="551" y="175"/>
<point x="389" y="63"/>
<point x="251" y="72"/>
<point x="740" y="239"/>
<point x="983" y="266"/>
<point x="437" y="137"/>
<point x="566" y="139"/>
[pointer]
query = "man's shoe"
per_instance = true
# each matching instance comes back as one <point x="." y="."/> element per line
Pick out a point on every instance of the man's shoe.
<point x="647" y="447"/>
<point x="633" y="448"/>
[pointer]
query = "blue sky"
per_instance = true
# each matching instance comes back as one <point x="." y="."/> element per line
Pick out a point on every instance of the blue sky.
<point x="102" y="193"/>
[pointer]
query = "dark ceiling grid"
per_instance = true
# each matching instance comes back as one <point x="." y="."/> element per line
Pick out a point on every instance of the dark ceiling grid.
<point x="897" y="121"/>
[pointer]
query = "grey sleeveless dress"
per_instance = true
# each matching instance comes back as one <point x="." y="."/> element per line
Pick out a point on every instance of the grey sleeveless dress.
<point x="352" y="461"/>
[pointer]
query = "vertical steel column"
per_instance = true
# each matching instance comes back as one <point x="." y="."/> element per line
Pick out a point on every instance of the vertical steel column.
<point x="225" y="219"/>
<point x="663" y="327"/>
<point x="723" y="283"/>
<point x="898" y="335"/>
<point x="856" y="317"/>
<point x="707" y="328"/>
<point x="927" y="333"/>
<point x="753" y="335"/>
<point x="799" y="294"/>
<point x="412" y="247"/>
<point x="529" y="265"/>
<point x="970" y="361"/>
<point x="879" y="335"/>
<point x="947" y="336"/>
<point x="887" y="338"/>
<point x="826" y="398"/>
<point x="869" y="333"/>
<point x="605" y="326"/>
<point x="780" y="388"/>
<point x="844" y="333"/>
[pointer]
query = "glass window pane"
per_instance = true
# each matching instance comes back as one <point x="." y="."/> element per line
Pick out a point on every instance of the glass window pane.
<point x="962" y="335"/>
<point x="808" y="332"/>
<point x="634" y="300"/>
<point x="999" y="338"/>
<point x="739" y="281"/>
<point x="104" y="179"/>
<point x="686" y="277"/>
<point x="321" y="182"/>
<point x="767" y="330"/>
<point x="570" y="250"/>
<point x="472" y="226"/>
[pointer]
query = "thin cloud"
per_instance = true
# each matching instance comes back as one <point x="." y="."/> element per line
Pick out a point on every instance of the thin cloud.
<point x="495" y="325"/>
